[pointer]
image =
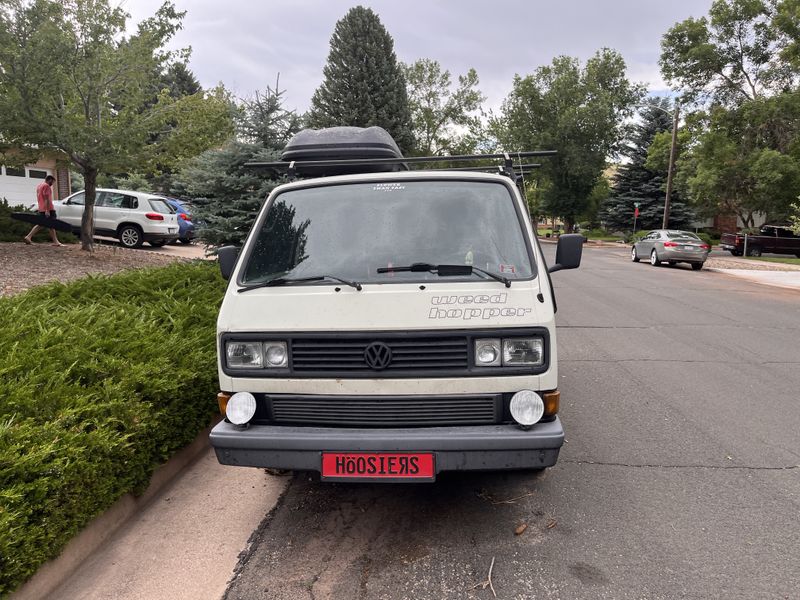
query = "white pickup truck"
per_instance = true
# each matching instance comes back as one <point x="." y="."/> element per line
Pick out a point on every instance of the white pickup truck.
<point x="389" y="326"/>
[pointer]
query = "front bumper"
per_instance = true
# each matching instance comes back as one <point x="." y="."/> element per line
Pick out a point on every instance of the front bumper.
<point x="471" y="448"/>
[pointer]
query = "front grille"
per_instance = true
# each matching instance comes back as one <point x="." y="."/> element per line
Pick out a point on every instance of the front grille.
<point x="389" y="411"/>
<point x="346" y="355"/>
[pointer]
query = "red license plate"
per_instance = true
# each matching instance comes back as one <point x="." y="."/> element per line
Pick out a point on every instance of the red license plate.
<point x="378" y="465"/>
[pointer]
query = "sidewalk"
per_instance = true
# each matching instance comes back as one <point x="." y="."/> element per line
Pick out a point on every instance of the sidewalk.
<point x="784" y="279"/>
<point x="185" y="543"/>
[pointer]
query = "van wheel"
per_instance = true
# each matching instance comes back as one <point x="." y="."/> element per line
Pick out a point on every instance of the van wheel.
<point x="654" y="259"/>
<point x="697" y="266"/>
<point x="131" y="236"/>
<point x="634" y="256"/>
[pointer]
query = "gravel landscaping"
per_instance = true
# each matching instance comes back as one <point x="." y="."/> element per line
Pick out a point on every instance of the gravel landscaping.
<point x="24" y="267"/>
<point x="749" y="265"/>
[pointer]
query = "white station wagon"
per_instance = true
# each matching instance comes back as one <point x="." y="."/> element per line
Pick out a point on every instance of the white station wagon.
<point x="131" y="217"/>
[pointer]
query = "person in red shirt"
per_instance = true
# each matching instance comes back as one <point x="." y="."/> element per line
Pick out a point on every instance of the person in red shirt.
<point x="44" y="198"/>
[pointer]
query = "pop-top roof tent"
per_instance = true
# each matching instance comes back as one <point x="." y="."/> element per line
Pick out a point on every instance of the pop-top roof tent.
<point x="347" y="150"/>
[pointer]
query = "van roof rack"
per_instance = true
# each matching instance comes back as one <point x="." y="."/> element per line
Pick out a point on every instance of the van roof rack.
<point x="290" y="167"/>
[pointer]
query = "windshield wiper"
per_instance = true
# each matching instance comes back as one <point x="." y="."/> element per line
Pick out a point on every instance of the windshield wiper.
<point x="289" y="280"/>
<point x="446" y="271"/>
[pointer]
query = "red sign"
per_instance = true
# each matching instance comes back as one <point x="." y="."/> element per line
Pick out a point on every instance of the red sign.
<point x="378" y="465"/>
<point x="636" y="212"/>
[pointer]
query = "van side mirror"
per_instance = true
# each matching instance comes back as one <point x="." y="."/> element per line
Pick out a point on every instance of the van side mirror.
<point x="568" y="252"/>
<point x="227" y="256"/>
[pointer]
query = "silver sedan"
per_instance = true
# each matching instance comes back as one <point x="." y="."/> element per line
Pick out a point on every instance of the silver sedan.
<point x="671" y="246"/>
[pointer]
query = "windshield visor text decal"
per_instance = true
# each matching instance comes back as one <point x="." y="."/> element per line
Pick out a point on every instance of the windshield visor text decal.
<point x="467" y="310"/>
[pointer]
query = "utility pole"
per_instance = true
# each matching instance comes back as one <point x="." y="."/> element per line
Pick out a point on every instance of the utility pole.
<point x="665" y="222"/>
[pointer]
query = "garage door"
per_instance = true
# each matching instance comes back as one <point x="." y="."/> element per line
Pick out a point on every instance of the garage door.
<point x="18" y="185"/>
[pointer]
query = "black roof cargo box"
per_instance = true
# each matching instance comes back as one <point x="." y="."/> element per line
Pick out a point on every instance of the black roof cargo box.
<point x="342" y="143"/>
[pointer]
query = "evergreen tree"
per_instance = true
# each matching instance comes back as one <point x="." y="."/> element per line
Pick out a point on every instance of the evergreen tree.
<point x="364" y="84"/>
<point x="180" y="81"/>
<point x="633" y="182"/>
<point x="226" y="194"/>
<point x="262" y="120"/>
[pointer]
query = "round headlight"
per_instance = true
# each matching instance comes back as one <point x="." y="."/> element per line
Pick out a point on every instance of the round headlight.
<point x="241" y="408"/>
<point x="487" y="354"/>
<point x="526" y="407"/>
<point x="276" y="356"/>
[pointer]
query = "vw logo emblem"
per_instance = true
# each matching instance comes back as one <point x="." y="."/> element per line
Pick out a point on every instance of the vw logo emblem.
<point x="378" y="356"/>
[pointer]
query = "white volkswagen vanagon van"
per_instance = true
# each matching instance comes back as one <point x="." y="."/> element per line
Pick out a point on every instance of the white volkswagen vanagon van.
<point x="389" y="325"/>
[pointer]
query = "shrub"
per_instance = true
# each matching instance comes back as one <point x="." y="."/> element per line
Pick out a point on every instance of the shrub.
<point x="632" y="238"/>
<point x="706" y="238"/>
<point x="101" y="380"/>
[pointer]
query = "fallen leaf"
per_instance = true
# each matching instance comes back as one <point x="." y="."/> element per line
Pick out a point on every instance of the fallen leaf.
<point x="520" y="529"/>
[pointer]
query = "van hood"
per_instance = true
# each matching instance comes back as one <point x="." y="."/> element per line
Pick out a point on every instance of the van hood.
<point x="384" y="307"/>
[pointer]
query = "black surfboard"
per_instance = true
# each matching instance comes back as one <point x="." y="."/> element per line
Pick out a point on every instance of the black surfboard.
<point x="37" y="219"/>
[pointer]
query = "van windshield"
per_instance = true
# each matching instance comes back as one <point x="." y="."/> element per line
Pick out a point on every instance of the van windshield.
<point x="352" y="230"/>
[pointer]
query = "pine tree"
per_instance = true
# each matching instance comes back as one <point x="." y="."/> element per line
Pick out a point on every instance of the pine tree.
<point x="179" y="79"/>
<point x="633" y="182"/>
<point x="364" y="84"/>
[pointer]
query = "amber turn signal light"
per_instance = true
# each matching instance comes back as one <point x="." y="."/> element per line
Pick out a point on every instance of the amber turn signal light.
<point x="551" y="400"/>
<point x="222" y="400"/>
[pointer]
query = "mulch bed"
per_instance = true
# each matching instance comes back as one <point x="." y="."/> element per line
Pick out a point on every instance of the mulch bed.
<point x="23" y="267"/>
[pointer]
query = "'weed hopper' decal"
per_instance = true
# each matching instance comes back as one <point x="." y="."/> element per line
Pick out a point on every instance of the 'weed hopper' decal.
<point x="480" y="306"/>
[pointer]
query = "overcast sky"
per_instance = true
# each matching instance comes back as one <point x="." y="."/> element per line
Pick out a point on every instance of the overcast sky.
<point x="246" y="43"/>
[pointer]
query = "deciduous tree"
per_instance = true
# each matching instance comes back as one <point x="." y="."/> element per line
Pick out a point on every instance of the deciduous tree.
<point x="739" y="52"/>
<point x="73" y="79"/>
<point x="442" y="117"/>
<point x="578" y="111"/>
<point x="742" y="64"/>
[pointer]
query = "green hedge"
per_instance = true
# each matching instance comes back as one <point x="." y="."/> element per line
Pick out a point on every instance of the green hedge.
<point x="101" y="380"/>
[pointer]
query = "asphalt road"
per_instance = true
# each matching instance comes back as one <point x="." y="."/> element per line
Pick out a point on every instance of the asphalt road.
<point x="680" y="477"/>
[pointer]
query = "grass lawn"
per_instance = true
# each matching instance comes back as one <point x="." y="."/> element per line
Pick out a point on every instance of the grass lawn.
<point x="788" y="260"/>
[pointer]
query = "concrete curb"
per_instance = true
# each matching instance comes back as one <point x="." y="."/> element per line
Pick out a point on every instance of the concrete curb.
<point x="53" y="573"/>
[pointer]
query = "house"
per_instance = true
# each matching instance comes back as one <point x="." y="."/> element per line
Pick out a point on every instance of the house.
<point x="18" y="184"/>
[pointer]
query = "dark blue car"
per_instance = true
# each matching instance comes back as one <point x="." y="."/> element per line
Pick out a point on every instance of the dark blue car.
<point x="185" y="225"/>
